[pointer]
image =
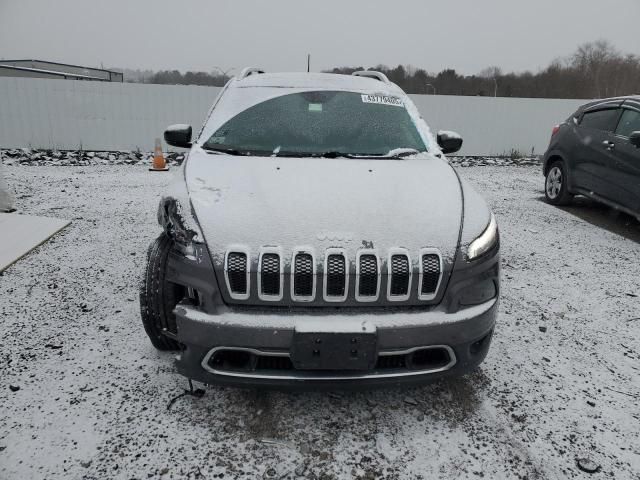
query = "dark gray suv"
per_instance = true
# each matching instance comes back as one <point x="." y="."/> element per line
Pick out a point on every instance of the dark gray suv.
<point x="596" y="153"/>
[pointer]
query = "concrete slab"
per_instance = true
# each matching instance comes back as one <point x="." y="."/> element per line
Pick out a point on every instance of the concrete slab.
<point x="19" y="234"/>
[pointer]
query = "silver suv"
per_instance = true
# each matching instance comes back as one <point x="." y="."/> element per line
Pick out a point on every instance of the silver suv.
<point x="316" y="236"/>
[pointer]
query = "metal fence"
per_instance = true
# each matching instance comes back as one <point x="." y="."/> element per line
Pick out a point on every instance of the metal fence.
<point x="496" y="126"/>
<point x="65" y="115"/>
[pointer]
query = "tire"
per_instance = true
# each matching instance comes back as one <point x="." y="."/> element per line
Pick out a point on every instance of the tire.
<point x="158" y="297"/>
<point x="555" y="184"/>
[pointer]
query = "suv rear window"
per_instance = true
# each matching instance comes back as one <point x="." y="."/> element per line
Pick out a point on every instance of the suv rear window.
<point x="600" y="119"/>
<point x="315" y="122"/>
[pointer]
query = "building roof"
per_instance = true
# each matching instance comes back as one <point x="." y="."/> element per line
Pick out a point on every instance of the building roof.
<point x="8" y="63"/>
<point x="52" y="72"/>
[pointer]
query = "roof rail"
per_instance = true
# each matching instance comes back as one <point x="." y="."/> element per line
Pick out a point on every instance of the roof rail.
<point x="372" y="74"/>
<point x="249" y="71"/>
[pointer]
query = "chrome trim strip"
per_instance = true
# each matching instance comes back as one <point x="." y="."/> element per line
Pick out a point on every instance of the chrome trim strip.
<point x="429" y="251"/>
<point x="262" y="296"/>
<point x="390" y="353"/>
<point x="363" y="376"/>
<point x="331" y="298"/>
<point x="303" y="298"/>
<point x="255" y="351"/>
<point x="398" y="298"/>
<point x="238" y="249"/>
<point x="365" y="298"/>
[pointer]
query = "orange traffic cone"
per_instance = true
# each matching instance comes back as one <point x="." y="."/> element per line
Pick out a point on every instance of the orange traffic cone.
<point x="159" y="165"/>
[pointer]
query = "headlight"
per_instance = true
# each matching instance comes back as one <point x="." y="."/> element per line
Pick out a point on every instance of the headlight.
<point x="484" y="242"/>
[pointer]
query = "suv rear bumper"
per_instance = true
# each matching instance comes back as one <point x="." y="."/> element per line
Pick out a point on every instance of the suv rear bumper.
<point x="459" y="342"/>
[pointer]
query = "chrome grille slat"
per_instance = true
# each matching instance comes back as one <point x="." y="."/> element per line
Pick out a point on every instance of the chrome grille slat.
<point x="270" y="275"/>
<point x="400" y="275"/>
<point x="237" y="267"/>
<point x="430" y="273"/>
<point x="303" y="276"/>
<point x="368" y="276"/>
<point x="336" y="275"/>
<point x="237" y="272"/>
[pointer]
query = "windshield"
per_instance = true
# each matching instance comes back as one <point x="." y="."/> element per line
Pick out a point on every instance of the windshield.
<point x="320" y="123"/>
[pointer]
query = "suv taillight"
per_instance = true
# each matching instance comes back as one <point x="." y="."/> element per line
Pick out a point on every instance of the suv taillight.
<point x="555" y="130"/>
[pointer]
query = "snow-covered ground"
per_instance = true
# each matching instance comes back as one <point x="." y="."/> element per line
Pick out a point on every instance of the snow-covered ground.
<point x="561" y="381"/>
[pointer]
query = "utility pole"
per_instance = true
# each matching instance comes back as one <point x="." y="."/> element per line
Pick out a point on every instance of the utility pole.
<point x="224" y="73"/>
<point x="308" y="62"/>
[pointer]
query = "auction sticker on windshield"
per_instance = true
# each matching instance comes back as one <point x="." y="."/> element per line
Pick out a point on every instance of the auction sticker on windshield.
<point x="382" y="100"/>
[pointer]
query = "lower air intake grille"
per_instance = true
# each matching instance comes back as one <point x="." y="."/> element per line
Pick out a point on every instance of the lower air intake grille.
<point x="400" y="275"/>
<point x="303" y="275"/>
<point x="237" y="272"/>
<point x="368" y="277"/>
<point x="270" y="274"/>
<point x="430" y="273"/>
<point x="336" y="275"/>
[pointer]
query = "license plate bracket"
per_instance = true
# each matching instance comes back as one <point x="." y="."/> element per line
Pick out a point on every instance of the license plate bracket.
<point x="334" y="350"/>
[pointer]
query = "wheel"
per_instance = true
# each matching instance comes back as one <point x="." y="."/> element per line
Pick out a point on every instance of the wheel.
<point x="158" y="297"/>
<point x="555" y="185"/>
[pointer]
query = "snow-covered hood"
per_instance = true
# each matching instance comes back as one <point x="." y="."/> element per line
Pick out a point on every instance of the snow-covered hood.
<point x="321" y="203"/>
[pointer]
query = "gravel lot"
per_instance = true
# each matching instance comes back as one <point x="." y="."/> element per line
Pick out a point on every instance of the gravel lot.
<point x="561" y="381"/>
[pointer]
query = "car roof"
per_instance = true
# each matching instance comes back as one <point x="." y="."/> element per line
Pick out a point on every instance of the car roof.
<point x="320" y="81"/>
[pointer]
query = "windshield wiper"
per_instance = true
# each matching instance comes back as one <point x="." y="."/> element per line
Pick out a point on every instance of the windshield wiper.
<point x="401" y="153"/>
<point x="329" y="154"/>
<point x="228" y="151"/>
<point x="333" y="154"/>
<point x="397" y="153"/>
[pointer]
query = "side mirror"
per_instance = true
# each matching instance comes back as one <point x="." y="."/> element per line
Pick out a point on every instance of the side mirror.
<point x="634" y="139"/>
<point x="178" y="135"/>
<point x="449" y="142"/>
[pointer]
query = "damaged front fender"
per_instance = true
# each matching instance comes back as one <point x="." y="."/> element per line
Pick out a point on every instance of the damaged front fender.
<point x="171" y="219"/>
<point x="176" y="216"/>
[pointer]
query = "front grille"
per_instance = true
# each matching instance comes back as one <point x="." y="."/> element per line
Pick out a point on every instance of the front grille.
<point x="307" y="280"/>
<point x="270" y="274"/>
<point x="430" y="273"/>
<point x="303" y="275"/>
<point x="400" y="275"/>
<point x="336" y="275"/>
<point x="368" y="276"/>
<point x="237" y="272"/>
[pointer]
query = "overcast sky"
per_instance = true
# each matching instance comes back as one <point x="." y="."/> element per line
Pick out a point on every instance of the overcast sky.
<point x="467" y="35"/>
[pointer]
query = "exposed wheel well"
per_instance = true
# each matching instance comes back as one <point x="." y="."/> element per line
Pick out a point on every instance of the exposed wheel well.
<point x="552" y="159"/>
<point x="158" y="296"/>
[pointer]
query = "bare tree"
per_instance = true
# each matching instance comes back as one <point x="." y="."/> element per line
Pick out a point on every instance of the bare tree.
<point x="594" y="60"/>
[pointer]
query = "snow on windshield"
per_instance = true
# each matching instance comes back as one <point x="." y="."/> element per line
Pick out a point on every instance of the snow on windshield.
<point x="317" y="122"/>
<point x="234" y="100"/>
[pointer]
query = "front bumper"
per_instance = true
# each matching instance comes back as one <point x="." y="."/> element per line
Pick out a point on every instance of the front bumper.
<point x="464" y="335"/>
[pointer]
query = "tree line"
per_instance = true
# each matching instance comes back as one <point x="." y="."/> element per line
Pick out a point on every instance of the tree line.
<point x="595" y="70"/>
<point x="175" y="77"/>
